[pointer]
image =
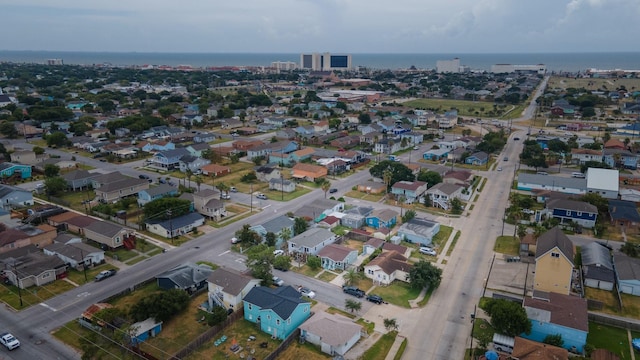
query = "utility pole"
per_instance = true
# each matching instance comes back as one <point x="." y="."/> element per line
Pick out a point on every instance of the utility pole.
<point x="170" y="225"/>
<point x="282" y="186"/>
<point x="15" y="270"/>
<point x="84" y="265"/>
<point x="251" y="198"/>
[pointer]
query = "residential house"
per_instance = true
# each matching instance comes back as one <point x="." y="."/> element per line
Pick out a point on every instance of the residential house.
<point x="528" y="244"/>
<point x="276" y="226"/>
<point x="458" y="177"/>
<point x="282" y="185"/>
<point x="143" y="330"/>
<point x="419" y="231"/>
<point x="160" y="145"/>
<point x="412" y="137"/>
<point x="8" y="169"/>
<point x="337" y="257"/>
<point x="627" y="273"/>
<point x="265" y="150"/>
<point x="14" y="197"/>
<point x="356" y="217"/>
<point x="230" y="124"/>
<point x="175" y="227"/>
<point x="227" y="288"/>
<point x="78" y="223"/>
<point x="371" y="187"/>
<point x="346" y="142"/>
<point x="78" y="179"/>
<point x="524" y="349"/>
<point x="572" y="211"/>
<point x="477" y="158"/>
<point x="319" y="209"/>
<point x="329" y="222"/>
<point x="436" y="154"/>
<point x="531" y="182"/>
<point x="371" y="138"/>
<point x="26" y="157"/>
<point x="192" y="163"/>
<point x="604" y="182"/>
<point x="558" y="314"/>
<point x="412" y="191"/>
<point x="581" y="156"/>
<point x="243" y="145"/>
<point x="311" y="241"/>
<point x="614" y="144"/>
<point x="198" y="149"/>
<point x="554" y="262"/>
<point x="124" y="186"/>
<point x="382" y="218"/>
<point x="387" y="267"/>
<point x="207" y="202"/>
<point x="26" y="235"/>
<point x="387" y="146"/>
<point x="308" y="172"/>
<point x="279" y="311"/>
<point x="597" y="266"/>
<point x="334" y="334"/>
<point x="189" y="277"/>
<point x="215" y="170"/>
<point x="76" y="255"/>
<point x="266" y="173"/>
<point x="441" y="194"/>
<point x="108" y="234"/>
<point x="28" y="266"/>
<point x="156" y="192"/>
<point x="620" y="158"/>
<point x="168" y="160"/>
<point x="204" y="137"/>
<point x="624" y="215"/>
<point x="372" y="245"/>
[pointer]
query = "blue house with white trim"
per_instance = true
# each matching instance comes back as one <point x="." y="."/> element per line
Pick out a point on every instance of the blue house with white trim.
<point x="436" y="154"/>
<point x="157" y="192"/>
<point x="553" y="313"/>
<point x="8" y="169"/>
<point x="279" y="311"/>
<point x="566" y="211"/>
<point x="382" y="218"/>
<point x="176" y="226"/>
<point x="477" y="158"/>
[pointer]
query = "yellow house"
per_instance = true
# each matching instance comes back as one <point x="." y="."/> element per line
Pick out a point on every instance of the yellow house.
<point x="554" y="262"/>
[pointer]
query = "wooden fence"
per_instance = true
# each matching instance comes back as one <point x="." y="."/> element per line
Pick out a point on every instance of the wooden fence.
<point x="295" y="335"/>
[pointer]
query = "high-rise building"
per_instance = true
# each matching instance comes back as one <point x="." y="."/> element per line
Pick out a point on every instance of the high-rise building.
<point x="325" y="61"/>
<point x="448" y="66"/>
<point x="55" y="62"/>
<point x="284" y="65"/>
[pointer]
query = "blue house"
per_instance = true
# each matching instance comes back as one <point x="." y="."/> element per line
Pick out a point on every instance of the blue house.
<point x="279" y="311"/>
<point x="168" y="160"/>
<point x="477" y="158"/>
<point x="8" y="169"/>
<point x="198" y="149"/>
<point x="436" y="154"/>
<point x="204" y="137"/>
<point x="159" y="146"/>
<point x="615" y="157"/>
<point x="419" y="231"/>
<point x="11" y="196"/>
<point x="568" y="211"/>
<point x="144" y="330"/>
<point x="337" y="257"/>
<point x="157" y="192"/>
<point x="382" y="218"/>
<point x="553" y="314"/>
<point x="276" y="226"/>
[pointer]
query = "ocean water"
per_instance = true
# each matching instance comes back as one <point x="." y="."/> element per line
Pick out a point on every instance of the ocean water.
<point x="558" y="62"/>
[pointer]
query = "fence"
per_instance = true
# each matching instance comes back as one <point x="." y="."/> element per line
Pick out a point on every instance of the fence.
<point x="207" y="335"/>
<point x="283" y="345"/>
<point x="129" y="223"/>
<point x="624" y="323"/>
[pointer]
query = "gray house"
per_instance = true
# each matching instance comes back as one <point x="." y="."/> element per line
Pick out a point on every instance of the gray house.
<point x="190" y="162"/>
<point x="419" y="231"/>
<point x="282" y="185"/>
<point x="189" y="277"/>
<point x="627" y="273"/>
<point x="597" y="267"/>
<point x="337" y="257"/>
<point x="311" y="241"/>
<point x="76" y="254"/>
<point x="276" y="226"/>
<point x="356" y="217"/>
<point x="78" y="179"/>
<point x="11" y="196"/>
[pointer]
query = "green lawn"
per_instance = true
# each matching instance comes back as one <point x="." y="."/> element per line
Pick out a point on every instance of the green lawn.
<point x="305" y="270"/>
<point x="398" y="293"/>
<point x="79" y="278"/>
<point x="333" y="310"/>
<point x="442" y="236"/>
<point x="381" y="348"/>
<point x="611" y="338"/>
<point x="11" y="295"/>
<point x="508" y="245"/>
<point x="453" y="243"/>
<point x="327" y="276"/>
<point x="283" y="196"/>
<point x="467" y="107"/>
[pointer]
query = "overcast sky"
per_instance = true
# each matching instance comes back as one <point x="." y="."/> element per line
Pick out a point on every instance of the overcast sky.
<point x="295" y="26"/>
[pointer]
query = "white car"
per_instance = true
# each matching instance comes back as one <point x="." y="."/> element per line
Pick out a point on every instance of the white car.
<point x="428" y="251"/>
<point x="277" y="281"/>
<point x="306" y="292"/>
<point x="9" y="341"/>
<point x="234" y="240"/>
<point x="278" y="252"/>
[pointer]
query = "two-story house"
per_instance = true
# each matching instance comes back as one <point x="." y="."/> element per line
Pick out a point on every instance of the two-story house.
<point x="412" y="191"/>
<point x="78" y="179"/>
<point x="554" y="262"/>
<point x="168" y="160"/>
<point x="279" y="311"/>
<point x="192" y="163"/>
<point x="581" y="156"/>
<point x="198" y="149"/>
<point x="311" y="241"/>
<point x="207" y="202"/>
<point x="12" y="196"/>
<point x="569" y="211"/>
<point x="227" y="288"/>
<point x="276" y="226"/>
<point x="123" y="187"/>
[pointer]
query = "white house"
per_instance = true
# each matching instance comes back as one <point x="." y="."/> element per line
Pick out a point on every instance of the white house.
<point x="227" y="287"/>
<point x="604" y="182"/>
<point x="387" y="267"/>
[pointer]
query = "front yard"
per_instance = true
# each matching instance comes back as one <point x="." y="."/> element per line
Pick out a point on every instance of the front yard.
<point x="398" y="293"/>
<point x="33" y="295"/>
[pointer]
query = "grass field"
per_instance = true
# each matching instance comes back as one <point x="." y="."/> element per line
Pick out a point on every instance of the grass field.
<point x="558" y="82"/>
<point x="467" y="108"/>
<point x="398" y="293"/>
<point x="611" y="338"/>
<point x="508" y="245"/>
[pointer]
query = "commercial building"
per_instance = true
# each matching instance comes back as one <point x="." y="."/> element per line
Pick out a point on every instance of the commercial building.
<point x="284" y="65"/>
<point x="450" y="66"/>
<point x="325" y="61"/>
<point x="510" y="68"/>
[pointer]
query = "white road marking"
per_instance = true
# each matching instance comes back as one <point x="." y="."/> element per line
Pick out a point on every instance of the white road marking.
<point x="48" y="307"/>
<point x="224" y="253"/>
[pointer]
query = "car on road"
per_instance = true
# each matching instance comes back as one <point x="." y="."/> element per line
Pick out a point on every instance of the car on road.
<point x="277" y="281"/>
<point x="171" y="183"/>
<point x="9" y="341"/>
<point x="427" y="251"/>
<point x="352" y="290"/>
<point x="234" y="240"/>
<point x="505" y="159"/>
<point x="416" y="148"/>
<point x="278" y="252"/>
<point x="105" y="274"/>
<point x="262" y="196"/>
<point x="103" y="160"/>
<point x="516" y="138"/>
<point x="499" y="168"/>
<point x="333" y="191"/>
<point x="233" y="189"/>
<point x="144" y="177"/>
<point x="305" y="291"/>
<point x="375" y="299"/>
<point x="225" y="196"/>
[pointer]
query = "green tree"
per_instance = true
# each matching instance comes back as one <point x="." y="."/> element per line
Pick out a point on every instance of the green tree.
<point x="352" y="305"/>
<point x="430" y="177"/>
<point x="299" y="225"/>
<point x="247" y="236"/>
<point x="38" y="150"/>
<point x="508" y="317"/>
<point x="325" y="186"/>
<point x="270" y="239"/>
<point x="166" y="208"/>
<point x="314" y="262"/>
<point x="57" y="139"/>
<point x="410" y="214"/>
<point x="198" y="180"/>
<point x="390" y="324"/>
<point x="555" y="340"/>
<point x="596" y="200"/>
<point x="51" y="170"/>
<point x="364" y="118"/>
<point x="456" y="206"/>
<point x="423" y="274"/>
<point x="285" y="235"/>
<point x="352" y="276"/>
<point x="260" y="260"/>
<point x="217" y="315"/>
<point x="55" y="185"/>
<point x="282" y="262"/>
<point x="110" y="317"/>
<point x="161" y="305"/>
<point x="8" y="129"/>
<point x="398" y="171"/>
<point x="79" y="128"/>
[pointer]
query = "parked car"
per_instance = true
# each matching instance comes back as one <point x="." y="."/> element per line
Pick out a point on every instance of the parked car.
<point x="416" y="148"/>
<point x="233" y="189"/>
<point x="306" y="292"/>
<point x="516" y="138"/>
<point x="171" y="183"/>
<point x="375" y="299"/>
<point x="278" y="252"/>
<point x="428" y="251"/>
<point x="234" y="240"/>
<point x="143" y="176"/>
<point x="225" y="196"/>
<point x="505" y="159"/>
<point x="9" y="341"/>
<point x="262" y="196"/>
<point x="528" y="211"/>
<point x="352" y="290"/>
<point x="277" y="281"/>
<point x="333" y="190"/>
<point x="499" y="169"/>
<point x="105" y="274"/>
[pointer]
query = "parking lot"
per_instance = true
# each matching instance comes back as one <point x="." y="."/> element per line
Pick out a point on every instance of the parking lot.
<point x="509" y="277"/>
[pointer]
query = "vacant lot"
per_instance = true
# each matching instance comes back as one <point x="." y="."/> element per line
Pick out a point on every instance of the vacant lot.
<point x="467" y="108"/>
<point x="557" y="82"/>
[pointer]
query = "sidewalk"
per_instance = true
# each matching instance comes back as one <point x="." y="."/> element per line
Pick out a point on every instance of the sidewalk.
<point x="395" y="347"/>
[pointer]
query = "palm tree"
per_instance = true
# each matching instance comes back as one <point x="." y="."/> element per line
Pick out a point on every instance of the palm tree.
<point x="285" y="235"/>
<point x="325" y="186"/>
<point x="223" y="188"/>
<point x="353" y="305"/>
<point x="198" y="181"/>
<point x="387" y="176"/>
<point x="352" y="276"/>
<point x="189" y="174"/>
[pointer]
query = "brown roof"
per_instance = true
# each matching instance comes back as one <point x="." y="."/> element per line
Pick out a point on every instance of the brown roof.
<point x="61" y="218"/>
<point x="375" y="242"/>
<point x="232" y="282"/>
<point x="555" y="238"/>
<point x="565" y="310"/>
<point x="525" y="349"/>
<point x="11" y="235"/>
<point x="215" y="168"/>
<point x="586" y="151"/>
<point x="393" y="247"/>
<point x="614" y="143"/>
<point x="330" y="220"/>
<point x="461" y="175"/>
<point x="408" y="185"/>
<point x="91" y="310"/>
<point x="81" y="221"/>
<point x="529" y="239"/>
<point x="335" y="252"/>
<point x="309" y="168"/>
<point x="603" y="354"/>
<point x="391" y="261"/>
<point x="305" y="151"/>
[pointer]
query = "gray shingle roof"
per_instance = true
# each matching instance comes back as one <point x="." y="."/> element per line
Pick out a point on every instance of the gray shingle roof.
<point x="276" y="224"/>
<point x="104" y="228"/>
<point x="312" y="237"/>
<point x="627" y="268"/>
<point x="623" y="210"/>
<point x="555" y="238"/>
<point x="178" y="222"/>
<point x="159" y="190"/>
<point x="555" y="181"/>
<point x="187" y="275"/>
<point x="8" y="189"/>
<point x="124" y="183"/>
<point x="572" y="205"/>
<point x="283" y="300"/>
<point x="596" y="254"/>
<point x="231" y="281"/>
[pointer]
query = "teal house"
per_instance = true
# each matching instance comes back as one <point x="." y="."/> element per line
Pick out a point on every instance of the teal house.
<point x="9" y="169"/>
<point x="279" y="311"/>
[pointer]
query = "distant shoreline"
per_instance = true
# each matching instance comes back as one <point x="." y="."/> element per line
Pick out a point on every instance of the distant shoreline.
<point x="556" y="62"/>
